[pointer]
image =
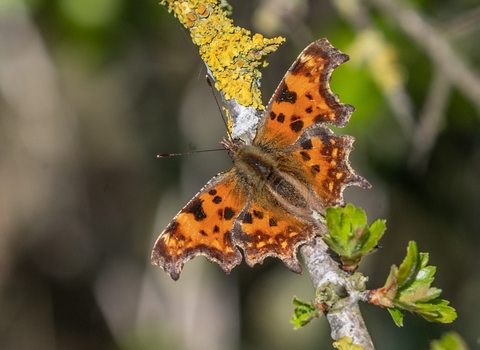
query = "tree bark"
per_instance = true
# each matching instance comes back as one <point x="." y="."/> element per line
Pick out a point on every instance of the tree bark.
<point x="344" y="315"/>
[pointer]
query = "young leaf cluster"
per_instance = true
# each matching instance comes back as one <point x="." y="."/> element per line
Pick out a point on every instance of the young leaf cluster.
<point x="349" y="235"/>
<point x="304" y="312"/>
<point x="408" y="289"/>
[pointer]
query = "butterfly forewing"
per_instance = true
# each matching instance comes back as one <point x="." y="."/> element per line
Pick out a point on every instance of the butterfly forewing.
<point x="304" y="98"/>
<point x="203" y="227"/>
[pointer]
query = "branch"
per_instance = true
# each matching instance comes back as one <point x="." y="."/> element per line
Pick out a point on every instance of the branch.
<point x="345" y="318"/>
<point x="233" y="57"/>
<point x="463" y="24"/>
<point x="458" y="72"/>
<point x="430" y="121"/>
<point x="449" y="68"/>
<point x="372" y="50"/>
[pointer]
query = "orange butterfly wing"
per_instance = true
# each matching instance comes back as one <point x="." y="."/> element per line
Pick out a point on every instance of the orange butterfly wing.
<point x="304" y="98"/>
<point x="295" y="167"/>
<point x="203" y="227"/>
<point x="271" y="232"/>
<point x="323" y="156"/>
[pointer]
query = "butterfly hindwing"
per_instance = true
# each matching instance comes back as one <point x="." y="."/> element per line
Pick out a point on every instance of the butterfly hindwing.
<point x="304" y="98"/>
<point x="271" y="232"/>
<point x="203" y="227"/>
<point x="323" y="156"/>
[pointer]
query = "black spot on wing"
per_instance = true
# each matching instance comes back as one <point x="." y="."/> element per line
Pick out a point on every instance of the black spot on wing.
<point x="195" y="207"/>
<point x="297" y="126"/>
<point x="247" y="218"/>
<point x="305" y="156"/>
<point x="172" y="226"/>
<point x="258" y="214"/>
<point x="320" y="118"/>
<point x="298" y="65"/>
<point x="307" y="144"/>
<point x="285" y="95"/>
<point x="228" y="213"/>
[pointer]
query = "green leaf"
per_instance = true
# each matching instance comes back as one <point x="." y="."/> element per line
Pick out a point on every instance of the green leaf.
<point x="359" y="219"/>
<point x="349" y="235"/>
<point x="226" y="7"/>
<point x="376" y="232"/>
<point x="303" y="313"/>
<point x="409" y="267"/>
<point x="424" y="259"/>
<point x="449" y="341"/>
<point x="408" y="288"/>
<point x="338" y="226"/>
<point x="397" y="316"/>
<point x="419" y="291"/>
<point x="437" y="311"/>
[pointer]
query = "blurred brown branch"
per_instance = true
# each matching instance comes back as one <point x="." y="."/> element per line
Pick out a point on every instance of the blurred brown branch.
<point x="440" y="51"/>
<point x="380" y="58"/>
<point x="463" y="24"/>
<point x="430" y="121"/>
<point x="449" y="67"/>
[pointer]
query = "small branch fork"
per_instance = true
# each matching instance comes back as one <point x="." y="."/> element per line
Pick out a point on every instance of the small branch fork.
<point x="344" y="314"/>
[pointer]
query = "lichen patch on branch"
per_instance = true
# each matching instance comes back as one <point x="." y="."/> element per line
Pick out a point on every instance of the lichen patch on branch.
<point x="232" y="55"/>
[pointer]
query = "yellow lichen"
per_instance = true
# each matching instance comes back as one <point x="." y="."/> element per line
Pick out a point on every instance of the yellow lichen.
<point x="231" y="53"/>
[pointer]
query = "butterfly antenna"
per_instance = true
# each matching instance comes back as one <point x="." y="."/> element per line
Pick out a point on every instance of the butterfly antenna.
<point x="210" y="83"/>
<point x="166" y="155"/>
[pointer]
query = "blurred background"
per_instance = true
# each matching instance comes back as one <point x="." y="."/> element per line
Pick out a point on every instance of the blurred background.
<point x="91" y="91"/>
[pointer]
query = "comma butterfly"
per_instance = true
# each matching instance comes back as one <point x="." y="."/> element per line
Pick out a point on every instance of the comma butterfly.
<point x="274" y="197"/>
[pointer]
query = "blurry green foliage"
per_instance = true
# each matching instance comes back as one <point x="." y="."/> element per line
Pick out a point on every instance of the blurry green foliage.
<point x="126" y="70"/>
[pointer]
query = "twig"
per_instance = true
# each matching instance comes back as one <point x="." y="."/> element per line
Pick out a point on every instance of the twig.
<point x="465" y="78"/>
<point x="430" y="122"/>
<point x="463" y="24"/>
<point x="345" y="319"/>
<point x="380" y="59"/>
